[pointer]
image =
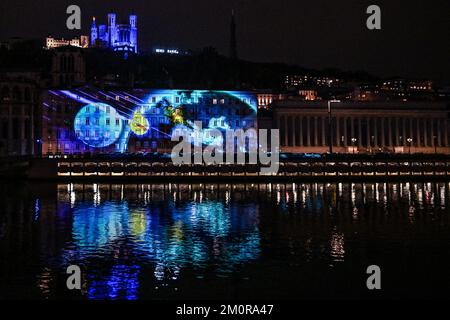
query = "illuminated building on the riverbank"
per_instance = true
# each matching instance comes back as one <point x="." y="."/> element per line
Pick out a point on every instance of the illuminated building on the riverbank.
<point x="19" y="113"/>
<point x="362" y="127"/>
<point x="140" y="120"/>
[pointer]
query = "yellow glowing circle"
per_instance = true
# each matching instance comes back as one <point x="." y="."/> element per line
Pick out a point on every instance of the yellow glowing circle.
<point x="139" y="124"/>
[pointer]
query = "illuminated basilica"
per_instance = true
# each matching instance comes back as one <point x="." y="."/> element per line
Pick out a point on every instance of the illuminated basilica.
<point x="119" y="37"/>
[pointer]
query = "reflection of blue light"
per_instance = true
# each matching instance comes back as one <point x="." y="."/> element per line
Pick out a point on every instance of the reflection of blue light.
<point x="121" y="283"/>
<point x="37" y="209"/>
<point x="95" y="227"/>
<point x="212" y="217"/>
<point x="194" y="235"/>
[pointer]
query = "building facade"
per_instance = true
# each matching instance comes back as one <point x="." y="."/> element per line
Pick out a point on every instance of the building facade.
<point x="363" y="127"/>
<point x="302" y="80"/>
<point x="19" y="113"/>
<point x="116" y="36"/>
<point x="139" y="120"/>
<point x="82" y="42"/>
<point x="68" y="67"/>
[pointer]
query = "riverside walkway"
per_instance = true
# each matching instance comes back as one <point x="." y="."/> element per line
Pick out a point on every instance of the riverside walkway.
<point x="292" y="167"/>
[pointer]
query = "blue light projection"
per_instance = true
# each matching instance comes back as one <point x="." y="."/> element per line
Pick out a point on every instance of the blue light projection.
<point x="219" y="123"/>
<point x="98" y="125"/>
<point x="113" y="120"/>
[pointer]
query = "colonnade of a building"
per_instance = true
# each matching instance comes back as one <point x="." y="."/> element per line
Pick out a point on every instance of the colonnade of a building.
<point x="362" y="131"/>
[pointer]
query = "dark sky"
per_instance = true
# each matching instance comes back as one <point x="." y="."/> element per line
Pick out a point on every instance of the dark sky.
<point x="414" y="40"/>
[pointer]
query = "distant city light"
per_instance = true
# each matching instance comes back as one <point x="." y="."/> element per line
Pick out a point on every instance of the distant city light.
<point x="170" y="51"/>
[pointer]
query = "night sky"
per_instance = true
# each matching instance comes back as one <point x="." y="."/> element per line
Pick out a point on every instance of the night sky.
<point x="414" y="40"/>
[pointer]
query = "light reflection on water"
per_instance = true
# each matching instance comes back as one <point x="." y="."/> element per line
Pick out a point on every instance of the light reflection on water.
<point x="191" y="235"/>
<point x="155" y="241"/>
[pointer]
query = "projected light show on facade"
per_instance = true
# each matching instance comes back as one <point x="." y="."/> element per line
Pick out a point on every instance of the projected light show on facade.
<point x="140" y="120"/>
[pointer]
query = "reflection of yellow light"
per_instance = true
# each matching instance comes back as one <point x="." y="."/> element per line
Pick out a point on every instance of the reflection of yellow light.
<point x="44" y="280"/>
<point x="137" y="223"/>
<point x="178" y="231"/>
<point x="139" y="124"/>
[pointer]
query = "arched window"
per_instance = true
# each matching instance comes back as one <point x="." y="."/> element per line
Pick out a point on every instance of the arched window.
<point x="63" y="63"/>
<point x="17" y="94"/>
<point x="16" y="128"/>
<point x="5" y="93"/>
<point x="27" y="94"/>
<point x="71" y="60"/>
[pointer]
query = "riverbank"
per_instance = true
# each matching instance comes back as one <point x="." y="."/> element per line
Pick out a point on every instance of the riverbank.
<point x="336" y="167"/>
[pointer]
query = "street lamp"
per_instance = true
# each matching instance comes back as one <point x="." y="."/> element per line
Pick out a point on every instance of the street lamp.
<point x="49" y="144"/>
<point x="409" y="140"/>
<point x="330" y="133"/>
<point x="353" y="144"/>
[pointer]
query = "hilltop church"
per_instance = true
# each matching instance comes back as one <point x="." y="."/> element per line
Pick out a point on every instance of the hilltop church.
<point x="118" y="37"/>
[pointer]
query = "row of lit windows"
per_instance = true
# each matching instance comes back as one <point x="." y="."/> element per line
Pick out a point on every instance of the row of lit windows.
<point x="96" y="134"/>
<point x="153" y="121"/>
<point x="61" y="134"/>
<point x="198" y="100"/>
<point x="146" y="144"/>
<point x="201" y="100"/>
<point x="149" y="109"/>
<point x="237" y="123"/>
<point x="80" y="147"/>
<point x="96" y="121"/>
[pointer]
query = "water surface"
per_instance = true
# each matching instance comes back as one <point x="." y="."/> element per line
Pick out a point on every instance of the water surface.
<point x="261" y="241"/>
